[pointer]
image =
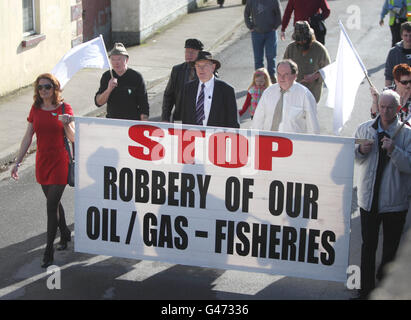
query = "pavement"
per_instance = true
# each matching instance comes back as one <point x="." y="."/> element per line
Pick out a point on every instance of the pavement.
<point x="153" y="59"/>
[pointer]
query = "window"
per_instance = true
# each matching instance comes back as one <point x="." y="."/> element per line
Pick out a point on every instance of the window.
<point x="30" y="37"/>
<point x="28" y="17"/>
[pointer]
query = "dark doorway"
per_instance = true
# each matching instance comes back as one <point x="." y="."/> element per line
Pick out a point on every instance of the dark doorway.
<point x="97" y="20"/>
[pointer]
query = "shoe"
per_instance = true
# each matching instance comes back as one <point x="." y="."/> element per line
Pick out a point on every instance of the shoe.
<point x="48" y="258"/>
<point x="361" y="295"/>
<point x="64" y="238"/>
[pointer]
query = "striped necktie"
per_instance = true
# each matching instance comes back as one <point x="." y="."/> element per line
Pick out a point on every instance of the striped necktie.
<point x="200" y="107"/>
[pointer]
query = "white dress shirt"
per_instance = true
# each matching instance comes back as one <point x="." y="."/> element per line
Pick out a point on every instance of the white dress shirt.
<point x="208" y="97"/>
<point x="299" y="110"/>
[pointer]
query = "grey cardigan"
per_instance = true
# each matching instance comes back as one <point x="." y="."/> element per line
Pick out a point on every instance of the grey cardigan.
<point x="396" y="178"/>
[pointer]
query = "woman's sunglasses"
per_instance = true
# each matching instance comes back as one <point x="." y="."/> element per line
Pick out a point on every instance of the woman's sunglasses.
<point x="45" y="86"/>
<point x="405" y="82"/>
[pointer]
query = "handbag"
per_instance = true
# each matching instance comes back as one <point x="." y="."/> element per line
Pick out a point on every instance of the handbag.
<point x="318" y="25"/>
<point x="71" y="166"/>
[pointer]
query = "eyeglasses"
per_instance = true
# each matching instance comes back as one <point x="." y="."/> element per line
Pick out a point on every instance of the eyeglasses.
<point x="44" y="86"/>
<point x="203" y="66"/>
<point x="404" y="82"/>
<point x="387" y="107"/>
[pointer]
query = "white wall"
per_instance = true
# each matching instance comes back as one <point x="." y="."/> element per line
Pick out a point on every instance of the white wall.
<point x="158" y="13"/>
<point x="135" y="20"/>
<point x="21" y="65"/>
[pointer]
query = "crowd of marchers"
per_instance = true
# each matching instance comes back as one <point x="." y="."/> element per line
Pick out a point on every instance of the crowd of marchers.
<point x="281" y="97"/>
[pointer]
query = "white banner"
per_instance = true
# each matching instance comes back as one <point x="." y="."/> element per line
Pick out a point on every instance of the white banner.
<point x="214" y="197"/>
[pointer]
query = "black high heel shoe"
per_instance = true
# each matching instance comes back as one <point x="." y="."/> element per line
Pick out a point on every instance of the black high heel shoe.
<point x="64" y="238"/>
<point x="48" y="258"/>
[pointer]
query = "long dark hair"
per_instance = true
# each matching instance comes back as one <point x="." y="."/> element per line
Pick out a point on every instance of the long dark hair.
<point x="57" y="99"/>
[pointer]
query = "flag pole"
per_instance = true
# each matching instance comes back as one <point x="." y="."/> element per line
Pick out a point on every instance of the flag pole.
<point x="356" y="55"/>
<point x="108" y="59"/>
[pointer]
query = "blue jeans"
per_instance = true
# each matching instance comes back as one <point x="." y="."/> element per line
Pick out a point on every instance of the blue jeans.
<point x="268" y="41"/>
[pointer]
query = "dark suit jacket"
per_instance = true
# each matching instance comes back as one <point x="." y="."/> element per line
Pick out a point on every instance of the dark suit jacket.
<point x="223" y="112"/>
<point x="173" y="94"/>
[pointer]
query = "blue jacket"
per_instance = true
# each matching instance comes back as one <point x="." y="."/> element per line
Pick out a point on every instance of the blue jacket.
<point x="399" y="4"/>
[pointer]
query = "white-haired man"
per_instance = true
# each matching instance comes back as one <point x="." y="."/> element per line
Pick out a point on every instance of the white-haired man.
<point x="384" y="174"/>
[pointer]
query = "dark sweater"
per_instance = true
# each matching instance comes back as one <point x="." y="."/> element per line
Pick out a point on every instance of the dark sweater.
<point x="396" y="55"/>
<point x="303" y="10"/>
<point x="262" y="15"/>
<point x="129" y="99"/>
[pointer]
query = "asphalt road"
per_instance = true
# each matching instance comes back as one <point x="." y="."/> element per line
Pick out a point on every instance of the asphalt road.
<point x="84" y="276"/>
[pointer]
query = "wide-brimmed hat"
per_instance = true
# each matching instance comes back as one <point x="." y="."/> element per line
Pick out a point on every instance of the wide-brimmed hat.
<point x="194" y="44"/>
<point x="205" y="55"/>
<point x="302" y="31"/>
<point x="118" y="49"/>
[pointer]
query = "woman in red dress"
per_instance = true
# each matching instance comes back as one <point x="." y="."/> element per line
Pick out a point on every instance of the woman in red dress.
<point x="51" y="158"/>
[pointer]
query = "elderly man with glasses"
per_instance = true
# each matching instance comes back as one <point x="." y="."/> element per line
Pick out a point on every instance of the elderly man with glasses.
<point x="287" y="106"/>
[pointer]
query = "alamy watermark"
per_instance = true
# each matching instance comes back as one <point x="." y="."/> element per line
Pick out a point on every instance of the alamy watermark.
<point x="354" y="19"/>
<point x="54" y="280"/>
<point x="354" y="277"/>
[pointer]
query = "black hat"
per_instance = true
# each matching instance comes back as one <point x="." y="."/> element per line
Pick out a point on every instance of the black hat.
<point x="194" y="44"/>
<point x="205" y="55"/>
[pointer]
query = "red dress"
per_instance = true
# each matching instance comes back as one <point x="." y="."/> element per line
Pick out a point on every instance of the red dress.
<point x="51" y="158"/>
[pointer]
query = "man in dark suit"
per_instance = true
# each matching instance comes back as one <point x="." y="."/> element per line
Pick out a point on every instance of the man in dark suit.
<point x="209" y="101"/>
<point x="180" y="75"/>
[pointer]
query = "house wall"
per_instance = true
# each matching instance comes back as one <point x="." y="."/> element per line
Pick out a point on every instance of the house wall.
<point x="24" y="58"/>
<point x="97" y="20"/>
<point x="134" y="21"/>
<point x="59" y="27"/>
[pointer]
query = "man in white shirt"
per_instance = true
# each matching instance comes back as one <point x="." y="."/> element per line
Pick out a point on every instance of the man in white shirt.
<point x="209" y="101"/>
<point x="287" y="106"/>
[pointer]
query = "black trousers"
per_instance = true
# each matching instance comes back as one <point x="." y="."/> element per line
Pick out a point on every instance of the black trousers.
<point x="393" y="224"/>
<point x="319" y="36"/>
<point x="55" y="213"/>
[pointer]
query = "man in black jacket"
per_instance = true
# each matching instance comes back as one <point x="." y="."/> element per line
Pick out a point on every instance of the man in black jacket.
<point x="123" y="89"/>
<point x="180" y="75"/>
<point x="209" y="101"/>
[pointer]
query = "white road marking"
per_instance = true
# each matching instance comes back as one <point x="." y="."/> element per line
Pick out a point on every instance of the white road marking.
<point x="241" y="282"/>
<point x="20" y="285"/>
<point x="144" y="270"/>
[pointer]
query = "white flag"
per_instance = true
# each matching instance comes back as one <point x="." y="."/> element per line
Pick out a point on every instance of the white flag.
<point x="343" y="77"/>
<point x="91" y="54"/>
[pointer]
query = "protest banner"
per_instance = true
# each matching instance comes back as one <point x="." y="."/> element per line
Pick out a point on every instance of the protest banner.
<point x="214" y="197"/>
